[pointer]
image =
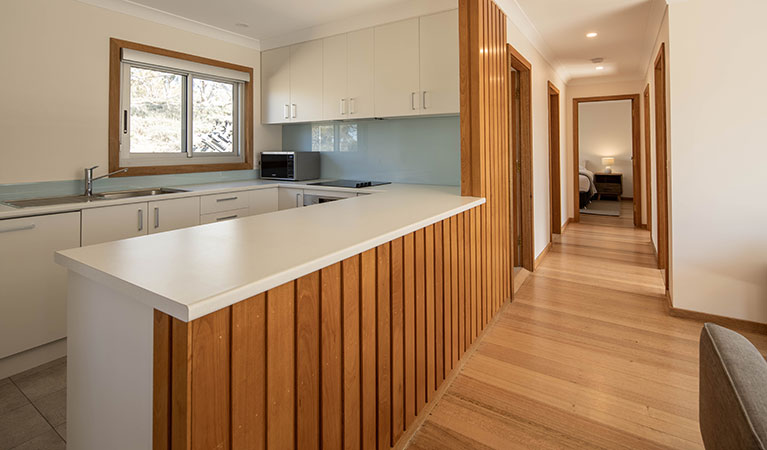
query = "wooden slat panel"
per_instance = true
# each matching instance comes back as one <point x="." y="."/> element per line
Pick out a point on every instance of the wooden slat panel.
<point x="409" y="291"/>
<point x="308" y="364"/>
<point x="368" y="344"/>
<point x="475" y="295"/>
<point x="440" y="305"/>
<point x="280" y="367"/>
<point x="210" y="380"/>
<point x="383" y="257"/>
<point x="420" y="321"/>
<point x="249" y="373"/>
<point x="463" y="335"/>
<point x="454" y="285"/>
<point x="397" y="342"/>
<point x="447" y="305"/>
<point x="161" y="380"/>
<point x="350" y="272"/>
<point x="332" y="357"/>
<point x="430" y="344"/>
<point x="181" y="385"/>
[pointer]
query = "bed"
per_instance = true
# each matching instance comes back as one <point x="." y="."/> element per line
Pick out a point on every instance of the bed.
<point x="586" y="186"/>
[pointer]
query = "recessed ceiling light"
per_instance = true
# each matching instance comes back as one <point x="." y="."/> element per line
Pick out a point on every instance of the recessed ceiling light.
<point x="591" y="35"/>
<point x="241" y="25"/>
<point x="600" y="68"/>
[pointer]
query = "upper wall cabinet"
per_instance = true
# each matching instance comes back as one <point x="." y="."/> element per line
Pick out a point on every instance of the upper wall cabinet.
<point x="404" y="68"/>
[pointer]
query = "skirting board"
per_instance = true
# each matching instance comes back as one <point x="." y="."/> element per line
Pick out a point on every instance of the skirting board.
<point x="540" y="257"/>
<point x="33" y="357"/>
<point x="727" y="322"/>
<point x="564" y="225"/>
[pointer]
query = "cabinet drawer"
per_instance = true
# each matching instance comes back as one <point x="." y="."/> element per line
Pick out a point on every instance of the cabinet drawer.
<point x="223" y="202"/>
<point x="224" y="216"/>
<point x="609" y="188"/>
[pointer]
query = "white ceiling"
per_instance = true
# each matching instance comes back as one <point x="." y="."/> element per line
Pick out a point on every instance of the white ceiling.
<point x="627" y="31"/>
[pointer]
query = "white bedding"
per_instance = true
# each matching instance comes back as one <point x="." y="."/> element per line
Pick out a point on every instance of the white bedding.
<point x="586" y="181"/>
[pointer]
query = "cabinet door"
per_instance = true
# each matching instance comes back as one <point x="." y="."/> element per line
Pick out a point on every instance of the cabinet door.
<point x="290" y="198"/>
<point x="275" y="85"/>
<point x="263" y="201"/>
<point x="34" y="288"/>
<point x="396" y="69"/>
<point x="166" y="215"/>
<point x="361" y="47"/>
<point x="334" y="72"/>
<point x="439" y="72"/>
<point x="112" y="223"/>
<point x="306" y="81"/>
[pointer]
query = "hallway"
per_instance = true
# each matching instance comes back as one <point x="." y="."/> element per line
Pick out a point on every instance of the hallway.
<point x="585" y="357"/>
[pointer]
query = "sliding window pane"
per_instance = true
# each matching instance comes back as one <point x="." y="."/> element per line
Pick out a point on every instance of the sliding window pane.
<point x="212" y="116"/>
<point x="156" y="100"/>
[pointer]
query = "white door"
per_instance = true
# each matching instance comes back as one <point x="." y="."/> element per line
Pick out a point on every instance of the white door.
<point x="112" y="223"/>
<point x="263" y="201"/>
<point x="396" y="69"/>
<point x="361" y="63"/>
<point x="290" y="198"/>
<point x="34" y="288"/>
<point x="334" y="72"/>
<point x="439" y="72"/>
<point x="275" y="85"/>
<point x="166" y="215"/>
<point x="306" y="81"/>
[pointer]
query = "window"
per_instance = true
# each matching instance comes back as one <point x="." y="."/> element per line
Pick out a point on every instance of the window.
<point x="334" y="137"/>
<point x="178" y="113"/>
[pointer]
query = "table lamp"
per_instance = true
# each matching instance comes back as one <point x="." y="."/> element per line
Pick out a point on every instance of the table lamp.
<point x="607" y="162"/>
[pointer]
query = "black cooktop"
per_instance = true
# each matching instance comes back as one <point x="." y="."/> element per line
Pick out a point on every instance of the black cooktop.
<point x="349" y="183"/>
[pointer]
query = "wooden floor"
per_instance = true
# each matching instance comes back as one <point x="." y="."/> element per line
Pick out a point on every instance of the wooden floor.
<point x="585" y="357"/>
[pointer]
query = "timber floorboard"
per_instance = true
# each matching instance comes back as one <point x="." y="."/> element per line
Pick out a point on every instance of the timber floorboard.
<point x="585" y="357"/>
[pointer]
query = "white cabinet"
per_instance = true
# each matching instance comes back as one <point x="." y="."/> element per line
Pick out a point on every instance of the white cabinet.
<point x="439" y="71"/>
<point x="228" y="201"/>
<point x="396" y="69"/>
<point x="112" y="223"/>
<point x="290" y="198"/>
<point x="224" y="216"/>
<point x="33" y="306"/>
<point x="306" y="81"/>
<point x="361" y="77"/>
<point x="335" y="102"/>
<point x="263" y="201"/>
<point x="275" y="85"/>
<point x="166" y="215"/>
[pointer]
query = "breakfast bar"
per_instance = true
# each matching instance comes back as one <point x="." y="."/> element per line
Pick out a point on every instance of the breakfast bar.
<point x="243" y="334"/>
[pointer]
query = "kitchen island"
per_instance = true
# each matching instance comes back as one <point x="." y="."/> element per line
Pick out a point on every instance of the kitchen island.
<point x="242" y="334"/>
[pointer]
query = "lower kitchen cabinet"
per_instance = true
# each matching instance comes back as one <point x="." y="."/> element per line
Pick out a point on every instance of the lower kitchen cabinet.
<point x="224" y="216"/>
<point x="263" y="201"/>
<point x="290" y="198"/>
<point x="166" y="215"/>
<point x="112" y="223"/>
<point x="33" y="306"/>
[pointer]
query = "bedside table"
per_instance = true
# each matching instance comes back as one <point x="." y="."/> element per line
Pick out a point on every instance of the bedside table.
<point x="609" y="184"/>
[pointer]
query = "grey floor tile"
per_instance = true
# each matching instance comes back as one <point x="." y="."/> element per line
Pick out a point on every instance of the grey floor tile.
<point x="62" y="430"/>
<point x="50" y="440"/>
<point x="53" y="407"/>
<point x="21" y="425"/>
<point x="10" y="396"/>
<point x="42" y="380"/>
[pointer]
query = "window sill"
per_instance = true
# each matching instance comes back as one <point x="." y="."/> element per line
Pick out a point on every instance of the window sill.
<point x="186" y="168"/>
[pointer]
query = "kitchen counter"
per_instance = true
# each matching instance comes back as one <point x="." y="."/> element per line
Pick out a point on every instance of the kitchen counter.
<point x="192" y="272"/>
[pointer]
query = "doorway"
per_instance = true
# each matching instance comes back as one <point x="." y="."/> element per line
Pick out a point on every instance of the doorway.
<point x="521" y="160"/>
<point x="555" y="200"/>
<point x="661" y="161"/>
<point x="635" y="155"/>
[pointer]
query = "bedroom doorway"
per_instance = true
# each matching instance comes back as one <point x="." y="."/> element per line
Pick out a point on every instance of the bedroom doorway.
<point x="610" y="182"/>
<point x="554" y="163"/>
<point x="521" y="158"/>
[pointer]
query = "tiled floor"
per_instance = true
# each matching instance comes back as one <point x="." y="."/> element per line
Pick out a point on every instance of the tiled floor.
<point x="33" y="406"/>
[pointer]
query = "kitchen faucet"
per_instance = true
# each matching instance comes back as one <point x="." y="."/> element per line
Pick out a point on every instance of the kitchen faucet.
<point x="89" y="179"/>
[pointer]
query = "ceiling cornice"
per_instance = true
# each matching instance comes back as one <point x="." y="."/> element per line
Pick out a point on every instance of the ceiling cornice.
<point x="175" y="21"/>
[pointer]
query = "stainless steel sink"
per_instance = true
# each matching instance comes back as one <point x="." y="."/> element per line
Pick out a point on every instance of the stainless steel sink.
<point x="116" y="195"/>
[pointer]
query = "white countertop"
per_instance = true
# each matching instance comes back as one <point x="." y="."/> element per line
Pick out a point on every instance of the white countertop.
<point x="192" y="272"/>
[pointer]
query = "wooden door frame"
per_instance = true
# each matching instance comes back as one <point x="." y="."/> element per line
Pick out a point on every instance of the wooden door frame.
<point x="525" y="167"/>
<point x="647" y="159"/>
<point x="555" y="188"/>
<point x="661" y="161"/>
<point x="635" y="145"/>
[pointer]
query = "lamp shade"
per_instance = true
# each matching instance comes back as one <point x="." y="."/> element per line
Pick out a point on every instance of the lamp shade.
<point x="608" y="161"/>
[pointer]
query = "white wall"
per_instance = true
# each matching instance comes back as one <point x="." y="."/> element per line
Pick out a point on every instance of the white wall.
<point x="55" y="59"/>
<point x="604" y="130"/>
<point x="718" y="157"/>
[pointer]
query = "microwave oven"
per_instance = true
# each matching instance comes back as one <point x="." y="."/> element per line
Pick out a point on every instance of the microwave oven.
<point x="293" y="166"/>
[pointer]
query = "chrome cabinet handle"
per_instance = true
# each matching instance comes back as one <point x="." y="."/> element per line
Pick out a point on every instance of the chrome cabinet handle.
<point x="343" y="106"/>
<point x="19" y="228"/>
<point x="219" y="219"/>
<point x="286" y="111"/>
<point x="351" y="105"/>
<point x="157" y="217"/>
<point x="140" y="219"/>
<point x="423" y="103"/>
<point x="297" y="195"/>
<point x="412" y="101"/>
<point x="226" y="199"/>
<point x="293" y="110"/>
